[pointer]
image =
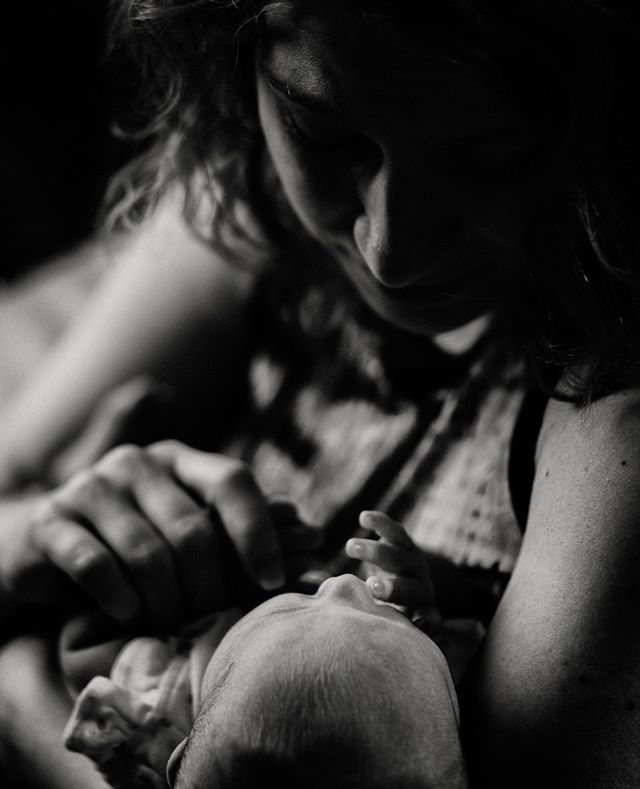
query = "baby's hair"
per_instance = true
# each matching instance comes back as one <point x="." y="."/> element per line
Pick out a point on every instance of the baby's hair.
<point x="321" y="722"/>
<point x="573" y="63"/>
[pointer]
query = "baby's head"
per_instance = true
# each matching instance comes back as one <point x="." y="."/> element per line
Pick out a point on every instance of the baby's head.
<point x="330" y="690"/>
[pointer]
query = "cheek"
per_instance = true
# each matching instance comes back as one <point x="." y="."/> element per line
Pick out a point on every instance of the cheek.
<point x="312" y="182"/>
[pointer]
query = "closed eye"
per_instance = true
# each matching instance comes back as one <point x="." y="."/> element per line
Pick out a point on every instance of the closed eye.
<point x="312" y="132"/>
<point x="309" y="126"/>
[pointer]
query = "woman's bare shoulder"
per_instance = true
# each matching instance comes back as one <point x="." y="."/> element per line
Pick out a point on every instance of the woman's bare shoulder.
<point x="558" y="678"/>
<point x="603" y="435"/>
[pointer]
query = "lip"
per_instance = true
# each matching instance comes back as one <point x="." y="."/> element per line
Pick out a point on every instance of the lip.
<point x="464" y="288"/>
<point x="436" y="287"/>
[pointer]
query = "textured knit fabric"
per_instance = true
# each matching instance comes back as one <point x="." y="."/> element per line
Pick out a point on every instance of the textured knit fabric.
<point x="388" y="422"/>
<point x="362" y="419"/>
<point x="130" y="722"/>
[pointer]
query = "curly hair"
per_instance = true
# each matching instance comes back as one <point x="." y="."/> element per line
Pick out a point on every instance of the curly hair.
<point x="576" y="62"/>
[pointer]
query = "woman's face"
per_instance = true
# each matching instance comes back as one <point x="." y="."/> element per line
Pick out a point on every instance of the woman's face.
<point x="407" y="168"/>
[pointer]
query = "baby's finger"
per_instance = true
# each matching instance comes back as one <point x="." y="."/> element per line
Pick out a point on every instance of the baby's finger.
<point x="387" y="528"/>
<point x="400" y="591"/>
<point x="390" y="558"/>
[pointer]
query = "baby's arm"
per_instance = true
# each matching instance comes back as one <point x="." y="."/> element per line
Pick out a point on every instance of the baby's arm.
<point x="402" y="575"/>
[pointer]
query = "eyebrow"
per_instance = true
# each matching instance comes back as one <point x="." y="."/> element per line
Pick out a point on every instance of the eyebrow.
<point x="308" y="100"/>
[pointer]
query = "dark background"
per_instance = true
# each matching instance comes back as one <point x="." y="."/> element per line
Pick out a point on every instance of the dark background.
<point x="57" y="150"/>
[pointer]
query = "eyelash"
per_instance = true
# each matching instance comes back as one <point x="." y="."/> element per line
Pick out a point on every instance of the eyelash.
<point x="303" y="140"/>
<point x="513" y="165"/>
<point x="293" y="130"/>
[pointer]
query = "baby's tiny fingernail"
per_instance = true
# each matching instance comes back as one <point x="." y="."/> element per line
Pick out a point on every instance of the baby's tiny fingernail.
<point x="355" y="547"/>
<point x="378" y="586"/>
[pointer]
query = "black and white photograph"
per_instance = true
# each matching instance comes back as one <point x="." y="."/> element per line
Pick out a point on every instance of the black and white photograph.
<point x="320" y="394"/>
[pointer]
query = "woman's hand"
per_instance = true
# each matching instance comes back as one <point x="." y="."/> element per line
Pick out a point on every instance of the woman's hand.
<point x="162" y="535"/>
<point x="401" y="573"/>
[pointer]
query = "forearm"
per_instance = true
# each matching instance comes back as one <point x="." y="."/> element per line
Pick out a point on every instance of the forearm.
<point x="552" y="698"/>
<point x="170" y="309"/>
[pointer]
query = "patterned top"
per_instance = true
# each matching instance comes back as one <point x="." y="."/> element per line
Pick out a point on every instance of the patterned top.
<point x="364" y="420"/>
<point x="357" y="419"/>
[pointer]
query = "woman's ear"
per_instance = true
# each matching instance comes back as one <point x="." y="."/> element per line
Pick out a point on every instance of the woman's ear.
<point x="173" y="765"/>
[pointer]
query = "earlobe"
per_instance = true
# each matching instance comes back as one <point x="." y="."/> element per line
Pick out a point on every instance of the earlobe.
<point x="173" y="765"/>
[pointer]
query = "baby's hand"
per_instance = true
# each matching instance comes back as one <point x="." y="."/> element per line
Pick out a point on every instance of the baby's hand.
<point x="404" y="576"/>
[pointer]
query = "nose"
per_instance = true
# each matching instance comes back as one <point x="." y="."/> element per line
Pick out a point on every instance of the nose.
<point x="346" y="590"/>
<point x="404" y="225"/>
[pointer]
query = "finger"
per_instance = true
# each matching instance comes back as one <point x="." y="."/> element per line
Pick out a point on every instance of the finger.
<point x="190" y="531"/>
<point x="88" y="562"/>
<point x="229" y="487"/>
<point x="388" y="557"/>
<point x="400" y="591"/>
<point x="386" y="528"/>
<point x="143" y="552"/>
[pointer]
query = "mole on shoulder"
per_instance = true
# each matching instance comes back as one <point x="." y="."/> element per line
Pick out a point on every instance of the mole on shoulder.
<point x="623" y="462"/>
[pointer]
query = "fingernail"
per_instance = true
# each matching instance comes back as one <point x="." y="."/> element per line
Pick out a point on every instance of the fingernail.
<point x="356" y="547"/>
<point x="377" y="586"/>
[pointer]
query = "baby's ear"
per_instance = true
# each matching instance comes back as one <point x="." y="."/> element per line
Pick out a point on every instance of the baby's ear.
<point x="173" y="765"/>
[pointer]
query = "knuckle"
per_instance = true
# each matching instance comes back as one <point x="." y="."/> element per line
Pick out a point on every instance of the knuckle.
<point x="230" y="478"/>
<point x="87" y="484"/>
<point x="145" y="554"/>
<point x="44" y="510"/>
<point x="124" y="458"/>
<point x="85" y="562"/>
<point x="167" y="446"/>
<point x="189" y="530"/>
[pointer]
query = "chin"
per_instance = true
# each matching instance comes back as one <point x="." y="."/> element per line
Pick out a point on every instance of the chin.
<point x="429" y="320"/>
